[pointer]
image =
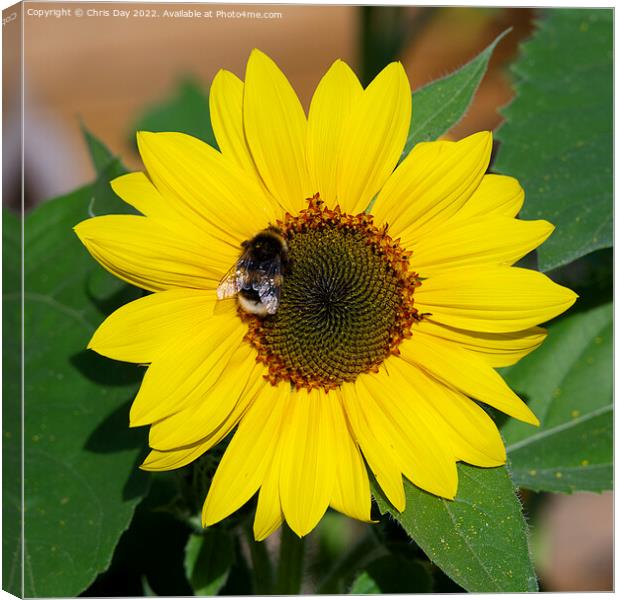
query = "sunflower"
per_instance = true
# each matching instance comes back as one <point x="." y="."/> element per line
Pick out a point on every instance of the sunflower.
<point x="390" y="322"/>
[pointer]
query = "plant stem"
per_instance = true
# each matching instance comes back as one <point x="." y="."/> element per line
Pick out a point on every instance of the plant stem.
<point x="366" y="550"/>
<point x="262" y="570"/>
<point x="291" y="563"/>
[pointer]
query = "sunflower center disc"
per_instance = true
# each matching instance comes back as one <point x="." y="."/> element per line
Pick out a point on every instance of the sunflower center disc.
<point x="345" y="304"/>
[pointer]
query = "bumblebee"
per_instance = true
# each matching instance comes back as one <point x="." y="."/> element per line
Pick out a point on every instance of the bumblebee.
<point x="256" y="278"/>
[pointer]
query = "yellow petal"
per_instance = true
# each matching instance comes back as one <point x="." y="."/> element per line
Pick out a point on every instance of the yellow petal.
<point x="228" y="202"/>
<point x="139" y="192"/>
<point x="249" y="455"/>
<point x="269" y="515"/>
<point x="375" y="440"/>
<point x="201" y="418"/>
<point x="226" y="108"/>
<point x="275" y="128"/>
<point x="465" y="372"/>
<point x="373" y="138"/>
<point x="181" y="375"/>
<point x="477" y="241"/>
<point x="457" y="420"/>
<point x="307" y="470"/>
<point x="497" y="349"/>
<point x="167" y="461"/>
<point x="143" y="253"/>
<point x="496" y="195"/>
<point x="139" y="331"/>
<point x="432" y="184"/>
<point x="351" y="494"/>
<point x="331" y="104"/>
<point x="426" y="458"/>
<point x="159" y="460"/>
<point x="492" y="299"/>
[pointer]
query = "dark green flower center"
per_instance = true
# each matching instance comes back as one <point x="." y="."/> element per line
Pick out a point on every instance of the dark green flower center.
<point x="346" y="301"/>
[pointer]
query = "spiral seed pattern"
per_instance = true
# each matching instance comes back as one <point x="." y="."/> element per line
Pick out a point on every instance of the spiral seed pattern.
<point x="345" y="304"/>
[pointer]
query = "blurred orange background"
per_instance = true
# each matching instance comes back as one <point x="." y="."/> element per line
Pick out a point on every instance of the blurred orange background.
<point x="105" y="70"/>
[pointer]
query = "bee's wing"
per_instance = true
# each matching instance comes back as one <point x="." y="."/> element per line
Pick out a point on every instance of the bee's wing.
<point x="229" y="285"/>
<point x="268" y="286"/>
<point x="234" y="281"/>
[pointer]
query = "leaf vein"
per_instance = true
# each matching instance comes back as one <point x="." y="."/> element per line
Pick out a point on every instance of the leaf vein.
<point x="558" y="429"/>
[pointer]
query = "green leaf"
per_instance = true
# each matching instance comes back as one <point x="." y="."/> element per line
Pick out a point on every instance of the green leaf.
<point x="393" y="575"/>
<point x="152" y="549"/>
<point x="81" y="477"/>
<point x="365" y="584"/>
<point x="441" y="104"/>
<point x="479" y="539"/>
<point x="11" y="405"/>
<point x="100" y="154"/>
<point x="208" y="558"/>
<point x="187" y="111"/>
<point x="107" y="166"/>
<point x="568" y="383"/>
<point x="557" y="139"/>
<point x="146" y="588"/>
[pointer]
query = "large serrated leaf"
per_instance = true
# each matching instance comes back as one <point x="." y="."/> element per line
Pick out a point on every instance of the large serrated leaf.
<point x="81" y="478"/>
<point x="479" y="539"/>
<point x="441" y="104"/>
<point x="568" y="383"/>
<point x="557" y="139"/>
